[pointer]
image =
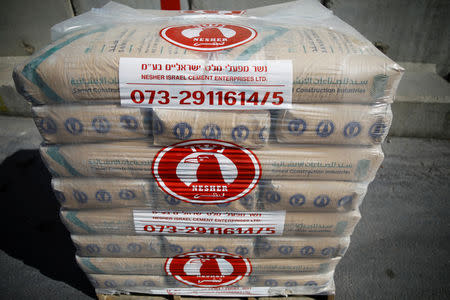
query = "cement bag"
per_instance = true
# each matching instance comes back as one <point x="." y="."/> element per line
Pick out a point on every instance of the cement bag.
<point x="311" y="195"/>
<point x="127" y="221"/>
<point x="331" y="62"/>
<point x="250" y="130"/>
<point x="78" y="123"/>
<point x="269" y="247"/>
<point x="207" y="166"/>
<point x="157" y="266"/>
<point x="83" y="193"/>
<point x="86" y="193"/>
<point x="277" y="247"/>
<point x="170" y="246"/>
<point x="118" y="246"/>
<point x="253" y="285"/>
<point x="334" y="124"/>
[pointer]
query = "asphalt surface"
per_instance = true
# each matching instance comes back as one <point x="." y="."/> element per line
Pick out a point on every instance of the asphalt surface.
<point x="399" y="250"/>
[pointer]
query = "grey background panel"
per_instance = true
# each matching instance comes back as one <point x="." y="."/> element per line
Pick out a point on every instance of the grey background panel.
<point x="416" y="31"/>
<point x="422" y="103"/>
<point x="232" y="4"/>
<point x="81" y="6"/>
<point x="25" y="25"/>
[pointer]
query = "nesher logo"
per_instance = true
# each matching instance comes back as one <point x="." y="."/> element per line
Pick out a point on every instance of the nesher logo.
<point x="206" y="171"/>
<point x="208" y="269"/>
<point x="208" y="37"/>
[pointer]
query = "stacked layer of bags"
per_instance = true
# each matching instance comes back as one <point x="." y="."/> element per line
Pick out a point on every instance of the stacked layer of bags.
<point x="315" y="159"/>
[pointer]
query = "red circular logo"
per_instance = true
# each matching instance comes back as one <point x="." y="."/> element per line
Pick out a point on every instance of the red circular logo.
<point x="208" y="269"/>
<point x="208" y="37"/>
<point x="206" y="171"/>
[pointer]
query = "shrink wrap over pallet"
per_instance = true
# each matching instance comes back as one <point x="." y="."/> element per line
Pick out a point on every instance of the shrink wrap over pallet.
<point x="238" y="156"/>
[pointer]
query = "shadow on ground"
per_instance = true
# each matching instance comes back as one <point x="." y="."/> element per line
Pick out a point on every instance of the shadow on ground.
<point x="30" y="226"/>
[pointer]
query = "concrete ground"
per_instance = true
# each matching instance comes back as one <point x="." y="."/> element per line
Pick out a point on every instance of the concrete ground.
<point x="400" y="249"/>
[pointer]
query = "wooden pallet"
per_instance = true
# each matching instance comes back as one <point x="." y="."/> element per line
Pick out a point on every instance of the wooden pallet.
<point x="148" y="297"/>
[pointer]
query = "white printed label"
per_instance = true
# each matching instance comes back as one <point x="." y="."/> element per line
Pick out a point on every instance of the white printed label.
<point x="204" y="84"/>
<point x="209" y="223"/>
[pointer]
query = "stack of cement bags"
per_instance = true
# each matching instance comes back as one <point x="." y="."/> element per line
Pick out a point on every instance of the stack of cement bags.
<point x="210" y="153"/>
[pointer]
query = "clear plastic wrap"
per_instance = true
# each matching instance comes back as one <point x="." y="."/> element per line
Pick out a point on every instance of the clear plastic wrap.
<point x="331" y="61"/>
<point x="210" y="153"/>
